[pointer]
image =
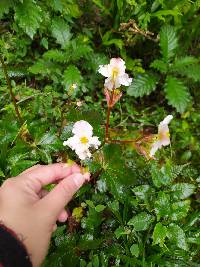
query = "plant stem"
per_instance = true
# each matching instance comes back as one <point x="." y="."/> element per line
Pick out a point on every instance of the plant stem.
<point x="10" y="90"/>
<point x="108" y="118"/>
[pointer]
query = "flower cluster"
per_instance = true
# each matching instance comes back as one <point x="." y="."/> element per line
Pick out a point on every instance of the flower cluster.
<point x="115" y="77"/>
<point x="82" y="140"/>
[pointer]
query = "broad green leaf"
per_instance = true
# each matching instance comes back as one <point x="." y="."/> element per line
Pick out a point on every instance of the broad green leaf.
<point x="5" y="5"/>
<point x="159" y="234"/>
<point x="166" y="174"/>
<point x="29" y="16"/>
<point x="177" y="235"/>
<point x="177" y="94"/>
<point x="162" y="205"/>
<point x="141" y="221"/>
<point x="61" y="31"/>
<point x="182" y="190"/>
<point x="143" y="84"/>
<point x="141" y="191"/>
<point x="179" y="210"/>
<point x="134" y="249"/>
<point x="168" y="42"/>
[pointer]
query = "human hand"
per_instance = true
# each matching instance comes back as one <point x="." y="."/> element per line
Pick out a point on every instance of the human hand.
<point x="31" y="212"/>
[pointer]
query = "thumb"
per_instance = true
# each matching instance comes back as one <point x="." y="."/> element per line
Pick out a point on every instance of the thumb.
<point x="58" y="198"/>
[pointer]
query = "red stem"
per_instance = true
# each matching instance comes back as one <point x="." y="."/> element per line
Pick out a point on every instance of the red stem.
<point x="108" y="118"/>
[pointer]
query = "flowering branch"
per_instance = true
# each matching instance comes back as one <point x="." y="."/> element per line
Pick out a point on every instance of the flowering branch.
<point x="10" y="90"/>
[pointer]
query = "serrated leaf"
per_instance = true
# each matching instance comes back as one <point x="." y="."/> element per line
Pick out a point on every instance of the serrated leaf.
<point x="141" y="221"/>
<point x="159" y="234"/>
<point x="142" y="85"/>
<point x="28" y="15"/>
<point x="177" y="94"/>
<point x="69" y="8"/>
<point x="72" y="75"/>
<point x="55" y="55"/>
<point x="177" y="235"/>
<point x="168" y="42"/>
<point x="61" y="31"/>
<point x="166" y="174"/>
<point x="182" y="190"/>
<point x="183" y="62"/>
<point x="192" y="72"/>
<point x="159" y="65"/>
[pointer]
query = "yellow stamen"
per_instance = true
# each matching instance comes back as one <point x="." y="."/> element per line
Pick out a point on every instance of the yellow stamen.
<point x="84" y="140"/>
<point x="115" y="72"/>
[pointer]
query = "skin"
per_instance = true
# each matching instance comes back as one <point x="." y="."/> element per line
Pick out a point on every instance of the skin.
<point x="31" y="212"/>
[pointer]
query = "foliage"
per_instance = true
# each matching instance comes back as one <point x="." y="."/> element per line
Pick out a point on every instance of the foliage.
<point x="134" y="212"/>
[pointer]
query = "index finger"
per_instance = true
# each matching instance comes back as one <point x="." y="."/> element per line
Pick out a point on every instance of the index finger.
<point x="47" y="174"/>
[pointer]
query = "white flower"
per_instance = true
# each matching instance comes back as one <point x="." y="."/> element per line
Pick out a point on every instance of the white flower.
<point x="74" y="85"/>
<point x="163" y="136"/>
<point x="115" y="73"/>
<point x="82" y="139"/>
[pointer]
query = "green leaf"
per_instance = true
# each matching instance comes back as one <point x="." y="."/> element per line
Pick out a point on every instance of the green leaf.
<point x="183" y="62"/>
<point x="55" y="55"/>
<point x="143" y="84"/>
<point x="159" y="234"/>
<point x="159" y="65"/>
<point x="5" y="5"/>
<point x="100" y="208"/>
<point x="162" y="205"/>
<point x="134" y="249"/>
<point x="177" y="94"/>
<point x="72" y="75"/>
<point x="1" y="173"/>
<point x="177" y="235"/>
<point x="141" y="221"/>
<point x="166" y="174"/>
<point x="182" y="190"/>
<point x="168" y="42"/>
<point x="179" y="210"/>
<point x="192" y="72"/>
<point x="28" y="15"/>
<point x="61" y="31"/>
<point x="121" y="231"/>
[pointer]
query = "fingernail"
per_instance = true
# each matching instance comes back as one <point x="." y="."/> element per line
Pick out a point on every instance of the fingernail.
<point x="87" y="176"/>
<point x="79" y="180"/>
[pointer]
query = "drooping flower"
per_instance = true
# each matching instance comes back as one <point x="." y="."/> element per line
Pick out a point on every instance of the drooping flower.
<point x="112" y="96"/>
<point x="115" y="74"/>
<point x="82" y="140"/>
<point x="163" y="136"/>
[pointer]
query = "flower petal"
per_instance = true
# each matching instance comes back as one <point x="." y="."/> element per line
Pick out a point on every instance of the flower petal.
<point x="82" y="128"/>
